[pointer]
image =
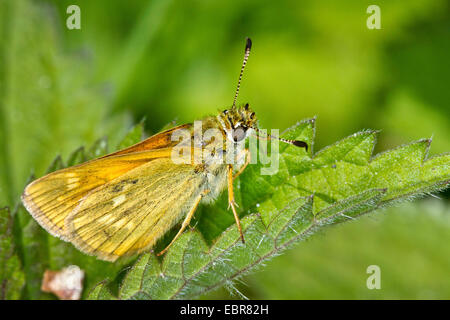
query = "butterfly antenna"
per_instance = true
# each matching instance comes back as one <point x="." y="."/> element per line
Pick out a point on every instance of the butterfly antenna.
<point x="248" y="46"/>
<point x="297" y="143"/>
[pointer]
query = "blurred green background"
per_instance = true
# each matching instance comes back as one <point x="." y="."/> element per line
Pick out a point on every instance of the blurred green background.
<point x="179" y="60"/>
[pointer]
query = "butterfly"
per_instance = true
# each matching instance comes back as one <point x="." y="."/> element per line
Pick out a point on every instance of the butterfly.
<point x="121" y="204"/>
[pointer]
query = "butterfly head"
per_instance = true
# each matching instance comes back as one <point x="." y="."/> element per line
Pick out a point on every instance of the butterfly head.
<point x="237" y="122"/>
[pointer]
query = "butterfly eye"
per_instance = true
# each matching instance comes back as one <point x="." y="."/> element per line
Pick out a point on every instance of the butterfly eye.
<point x="239" y="134"/>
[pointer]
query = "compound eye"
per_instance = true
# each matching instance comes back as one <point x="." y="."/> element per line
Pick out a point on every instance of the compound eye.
<point x="239" y="134"/>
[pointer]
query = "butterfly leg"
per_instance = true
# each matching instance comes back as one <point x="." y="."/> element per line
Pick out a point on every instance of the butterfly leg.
<point x="231" y="202"/>
<point x="186" y="220"/>
<point x="247" y="161"/>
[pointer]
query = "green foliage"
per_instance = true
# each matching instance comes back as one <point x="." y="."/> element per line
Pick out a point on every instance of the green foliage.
<point x="409" y="242"/>
<point x="44" y="109"/>
<point x="133" y="136"/>
<point x="12" y="278"/>
<point x="310" y="191"/>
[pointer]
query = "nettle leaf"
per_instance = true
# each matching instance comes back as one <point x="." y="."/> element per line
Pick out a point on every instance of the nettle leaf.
<point x="40" y="251"/>
<point x="134" y="135"/>
<point x="12" y="278"/>
<point x="309" y="191"/>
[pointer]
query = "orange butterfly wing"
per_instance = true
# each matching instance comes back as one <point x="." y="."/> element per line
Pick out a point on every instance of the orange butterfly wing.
<point x="51" y="198"/>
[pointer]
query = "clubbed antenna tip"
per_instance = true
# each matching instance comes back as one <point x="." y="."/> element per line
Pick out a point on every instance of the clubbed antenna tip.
<point x="248" y="45"/>
<point x="301" y="144"/>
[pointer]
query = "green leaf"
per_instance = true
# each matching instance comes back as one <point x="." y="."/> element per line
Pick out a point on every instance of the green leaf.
<point x="413" y="236"/>
<point x="101" y="292"/>
<point x="309" y="191"/>
<point x="12" y="277"/>
<point x="133" y="136"/>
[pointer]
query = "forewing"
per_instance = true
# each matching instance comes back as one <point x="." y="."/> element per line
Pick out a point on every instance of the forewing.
<point x="130" y="213"/>
<point x="51" y="198"/>
<point x="157" y="141"/>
